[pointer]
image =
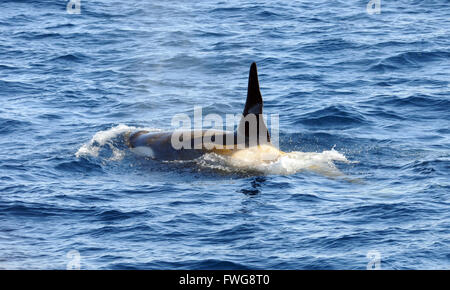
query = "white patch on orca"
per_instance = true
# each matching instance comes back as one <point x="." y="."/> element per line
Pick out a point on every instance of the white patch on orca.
<point x="144" y="151"/>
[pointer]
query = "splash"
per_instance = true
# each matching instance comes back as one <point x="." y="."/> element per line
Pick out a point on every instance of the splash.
<point x="108" y="138"/>
<point x="293" y="162"/>
<point x="285" y="163"/>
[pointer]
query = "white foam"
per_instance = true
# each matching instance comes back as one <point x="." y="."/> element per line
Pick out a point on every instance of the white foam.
<point x="105" y="138"/>
<point x="283" y="164"/>
<point x="293" y="162"/>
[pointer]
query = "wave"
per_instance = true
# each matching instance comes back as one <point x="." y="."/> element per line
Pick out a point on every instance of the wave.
<point x="381" y="211"/>
<point x="206" y="264"/>
<point x="9" y="125"/>
<point x="418" y="57"/>
<point x="113" y="215"/>
<point x="417" y="100"/>
<point x="78" y="166"/>
<point x="15" y="87"/>
<point x="38" y="35"/>
<point x="410" y="59"/>
<point x="435" y="166"/>
<point x="77" y="57"/>
<point x="331" y="44"/>
<point x="7" y="67"/>
<point x="332" y="117"/>
<point x="39" y="210"/>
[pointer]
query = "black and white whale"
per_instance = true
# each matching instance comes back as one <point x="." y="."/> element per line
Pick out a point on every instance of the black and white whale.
<point x="248" y="148"/>
<point x="251" y="140"/>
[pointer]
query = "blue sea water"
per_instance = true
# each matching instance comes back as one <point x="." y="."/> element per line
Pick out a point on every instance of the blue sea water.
<point x="373" y="88"/>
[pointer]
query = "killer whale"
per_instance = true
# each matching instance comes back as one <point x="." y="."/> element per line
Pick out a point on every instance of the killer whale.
<point x="250" y="140"/>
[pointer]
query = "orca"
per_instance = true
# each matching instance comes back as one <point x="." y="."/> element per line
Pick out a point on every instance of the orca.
<point x="251" y="140"/>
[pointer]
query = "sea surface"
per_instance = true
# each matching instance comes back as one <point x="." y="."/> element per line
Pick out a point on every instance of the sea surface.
<point x="363" y="95"/>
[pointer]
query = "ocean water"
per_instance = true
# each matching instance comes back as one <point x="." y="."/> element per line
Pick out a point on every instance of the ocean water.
<point x="365" y="96"/>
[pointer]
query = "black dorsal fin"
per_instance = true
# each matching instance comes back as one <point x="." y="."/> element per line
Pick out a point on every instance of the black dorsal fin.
<point x="254" y="105"/>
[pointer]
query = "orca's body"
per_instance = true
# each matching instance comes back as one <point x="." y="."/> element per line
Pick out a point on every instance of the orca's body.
<point x="243" y="144"/>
